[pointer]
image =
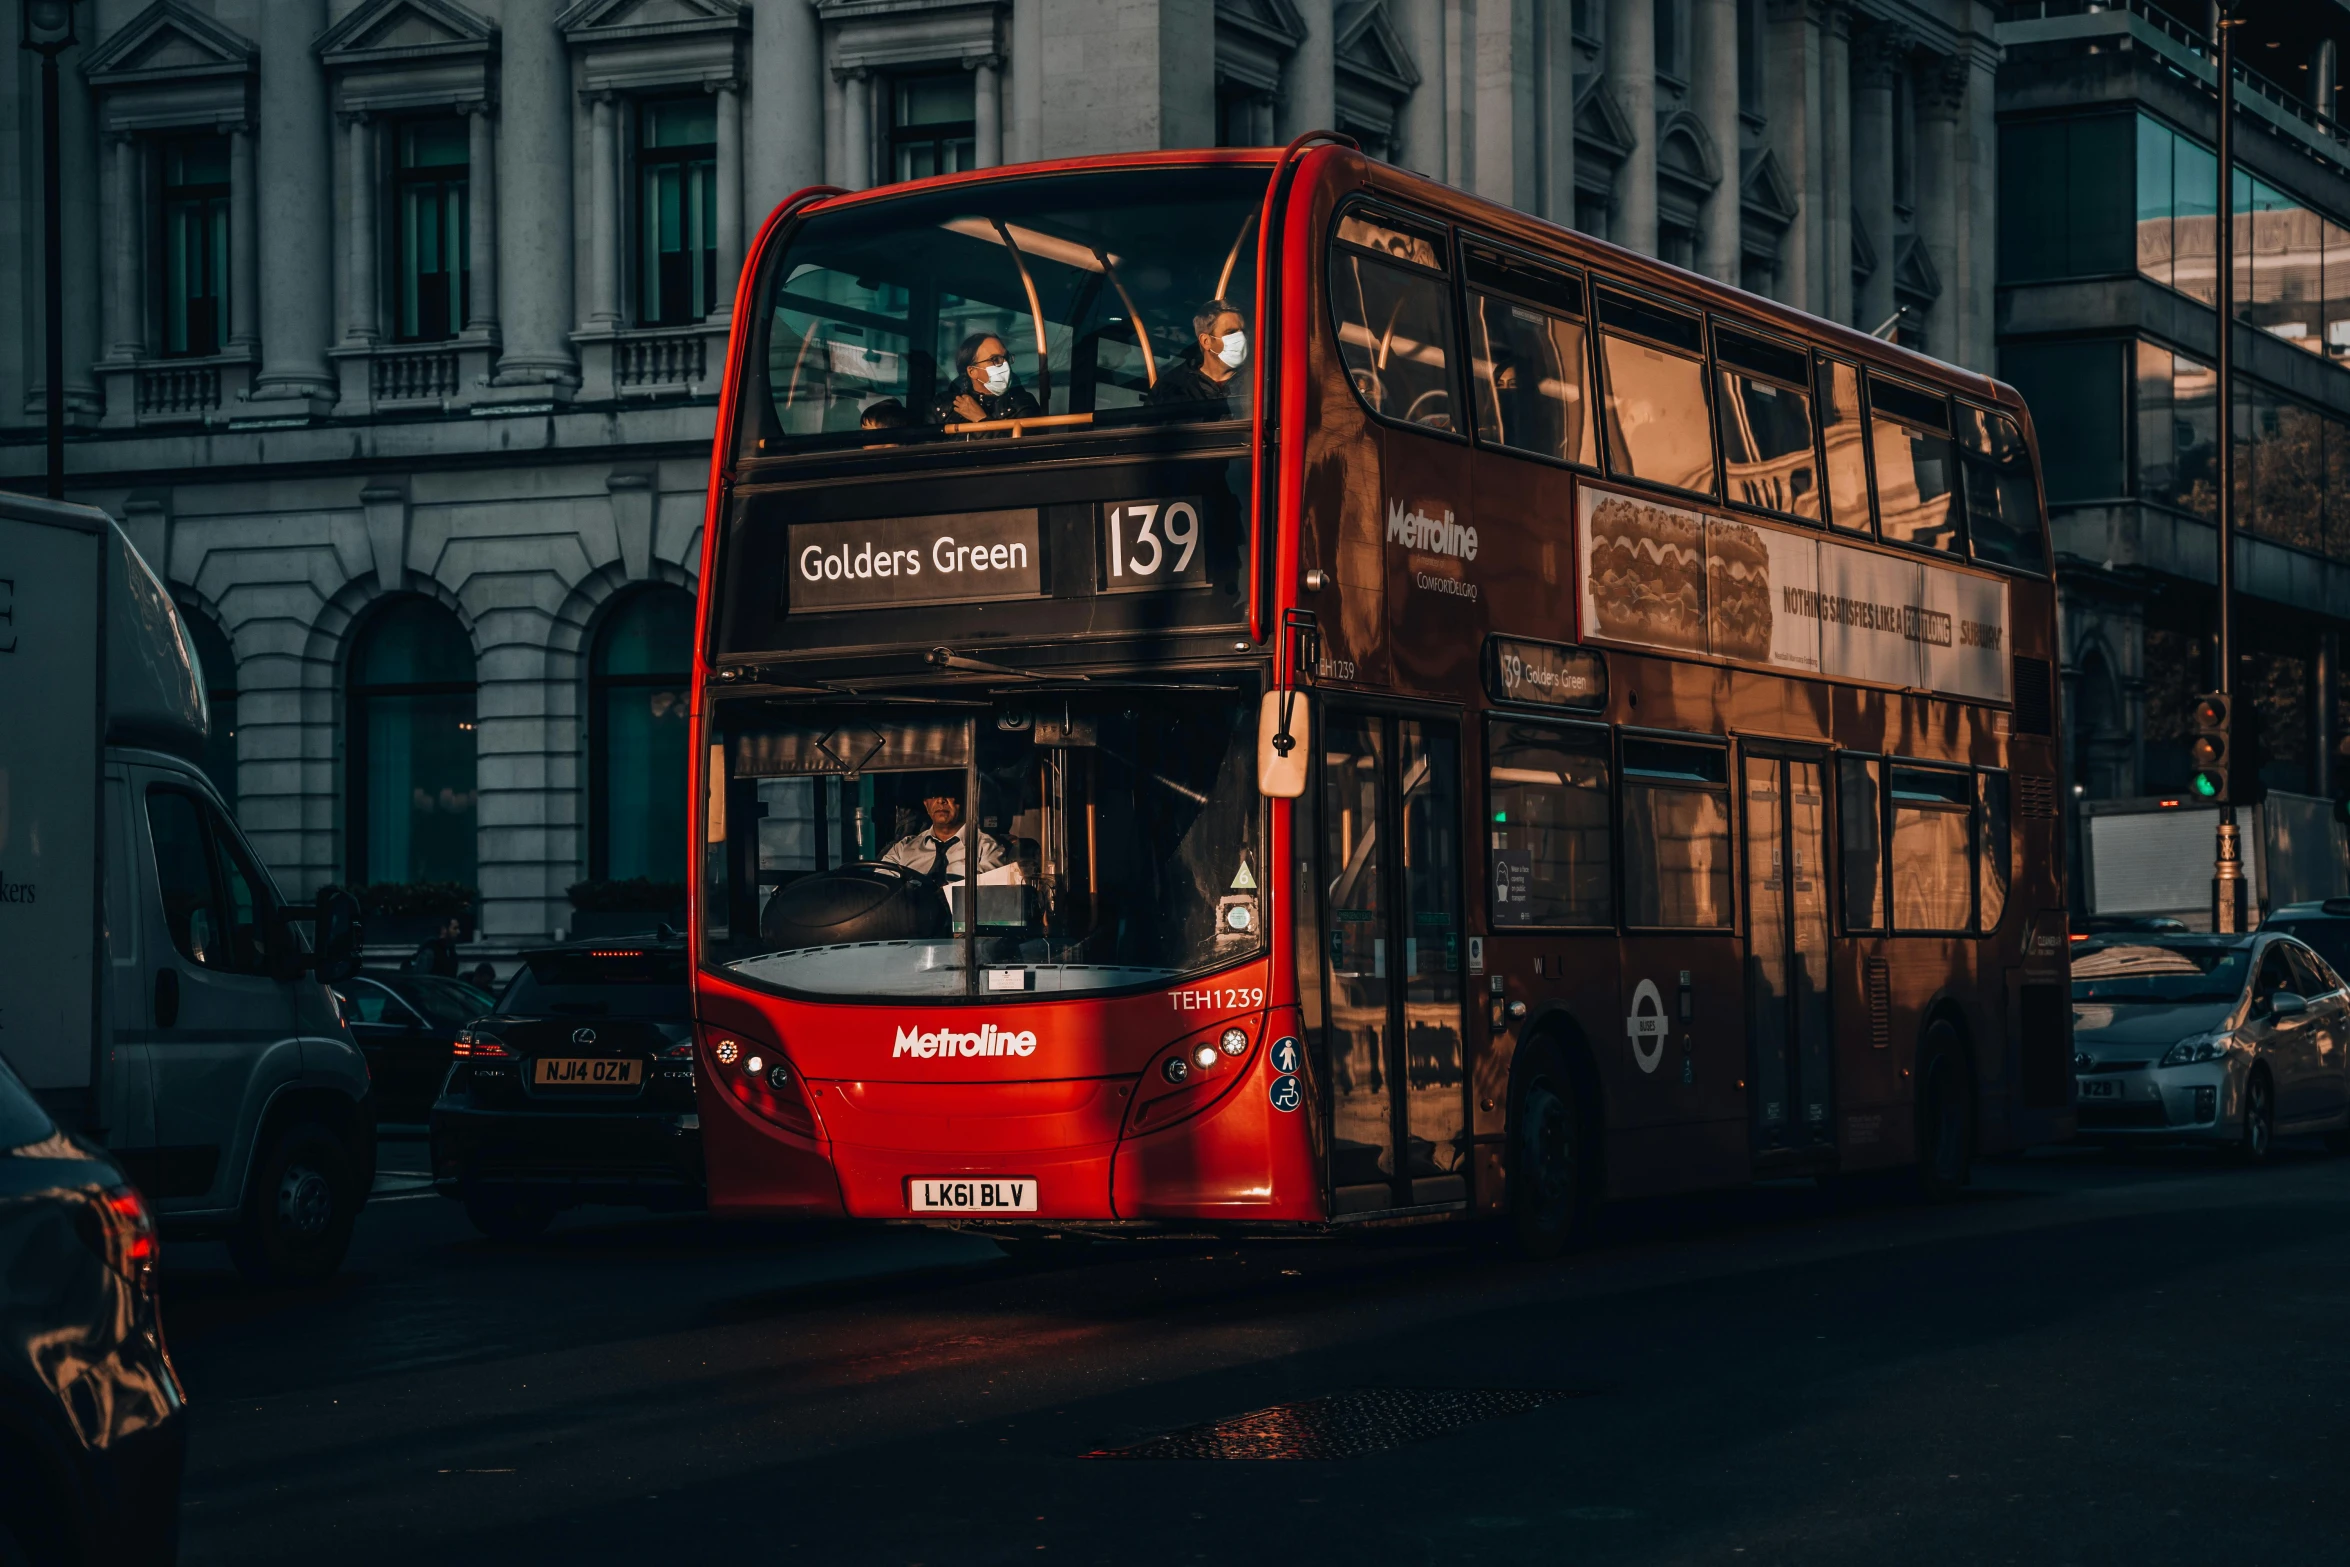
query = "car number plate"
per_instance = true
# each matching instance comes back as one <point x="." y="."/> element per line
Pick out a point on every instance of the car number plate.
<point x="2092" y="1088"/>
<point x="586" y="1072"/>
<point x="955" y="1194"/>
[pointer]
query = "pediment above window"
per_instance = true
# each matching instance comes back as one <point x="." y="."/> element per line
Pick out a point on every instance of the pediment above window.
<point x="628" y="44"/>
<point x="171" y="67"/>
<point x="1254" y="40"/>
<point x="1603" y="136"/>
<point x="411" y="54"/>
<point x="1914" y="277"/>
<point x="1766" y="196"/>
<point x="1372" y="60"/>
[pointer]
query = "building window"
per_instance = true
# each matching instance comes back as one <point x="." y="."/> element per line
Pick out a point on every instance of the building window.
<point x="410" y="716"/>
<point x="193" y="232"/>
<point x="932" y="125"/>
<point x="637" y="680"/>
<point x="2063" y="213"/>
<point x="216" y="668"/>
<point x="1669" y="39"/>
<point x="428" y="222"/>
<point x="1751" y="62"/>
<point x="677" y="211"/>
<point x="2076" y="391"/>
<point x="1236" y="115"/>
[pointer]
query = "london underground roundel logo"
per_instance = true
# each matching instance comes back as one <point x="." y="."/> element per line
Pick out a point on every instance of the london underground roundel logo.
<point x="1646" y="1025"/>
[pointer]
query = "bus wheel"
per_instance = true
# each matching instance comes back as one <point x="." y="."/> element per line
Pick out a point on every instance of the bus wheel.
<point x="1549" y="1197"/>
<point x="1946" y="1115"/>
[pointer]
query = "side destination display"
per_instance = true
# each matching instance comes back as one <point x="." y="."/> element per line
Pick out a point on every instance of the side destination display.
<point x="888" y="562"/>
<point x="1546" y="674"/>
<point x="1749" y="593"/>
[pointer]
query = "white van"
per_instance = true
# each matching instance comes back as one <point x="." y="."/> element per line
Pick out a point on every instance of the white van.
<point x="156" y="991"/>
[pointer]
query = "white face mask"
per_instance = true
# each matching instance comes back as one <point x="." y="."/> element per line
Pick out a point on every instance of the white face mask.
<point x="1235" y="350"/>
<point x="997" y="378"/>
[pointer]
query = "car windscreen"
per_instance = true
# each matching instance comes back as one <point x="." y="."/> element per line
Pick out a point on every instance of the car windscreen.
<point x="2124" y="972"/>
<point x="1056" y="303"/>
<point x="616" y="982"/>
<point x="22" y="1120"/>
<point x="1105" y="840"/>
<point x="2331" y="938"/>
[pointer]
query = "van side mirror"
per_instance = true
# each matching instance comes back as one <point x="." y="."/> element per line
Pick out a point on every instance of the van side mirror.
<point x="1284" y="733"/>
<point x="339" y="933"/>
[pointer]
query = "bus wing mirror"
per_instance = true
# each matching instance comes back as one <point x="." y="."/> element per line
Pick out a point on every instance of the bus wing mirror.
<point x="1284" y="721"/>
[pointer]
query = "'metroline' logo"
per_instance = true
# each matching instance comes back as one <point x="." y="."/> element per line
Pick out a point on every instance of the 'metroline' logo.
<point x="945" y="1044"/>
<point x="1416" y="530"/>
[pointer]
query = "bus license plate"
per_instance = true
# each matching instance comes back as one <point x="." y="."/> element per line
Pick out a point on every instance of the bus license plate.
<point x="953" y="1194"/>
<point x="585" y="1072"/>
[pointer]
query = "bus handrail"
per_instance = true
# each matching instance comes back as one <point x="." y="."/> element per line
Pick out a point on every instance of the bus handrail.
<point x="1266" y="495"/>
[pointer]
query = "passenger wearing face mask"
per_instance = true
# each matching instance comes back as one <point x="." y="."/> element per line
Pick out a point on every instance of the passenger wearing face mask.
<point x="983" y="387"/>
<point x="1213" y="381"/>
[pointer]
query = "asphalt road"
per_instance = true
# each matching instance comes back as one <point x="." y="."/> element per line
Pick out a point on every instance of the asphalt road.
<point x="2093" y="1360"/>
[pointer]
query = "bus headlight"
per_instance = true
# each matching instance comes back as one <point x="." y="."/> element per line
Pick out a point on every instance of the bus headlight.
<point x="1205" y="1055"/>
<point x="1233" y="1042"/>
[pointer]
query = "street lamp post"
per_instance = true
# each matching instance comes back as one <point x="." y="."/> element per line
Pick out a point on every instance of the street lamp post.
<point x="48" y="31"/>
<point x="2227" y="878"/>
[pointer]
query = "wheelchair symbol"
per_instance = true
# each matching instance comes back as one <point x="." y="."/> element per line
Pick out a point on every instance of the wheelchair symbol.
<point x="1285" y="1093"/>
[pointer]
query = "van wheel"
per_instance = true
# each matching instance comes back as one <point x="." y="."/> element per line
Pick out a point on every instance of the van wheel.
<point x="299" y="1209"/>
<point x="509" y="1215"/>
<point x="1550" y="1197"/>
<point x="1945" y="1115"/>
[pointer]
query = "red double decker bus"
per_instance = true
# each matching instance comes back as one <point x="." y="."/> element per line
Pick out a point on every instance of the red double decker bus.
<point x="1254" y="688"/>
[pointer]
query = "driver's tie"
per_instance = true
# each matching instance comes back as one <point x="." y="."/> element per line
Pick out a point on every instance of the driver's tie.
<point x="938" y="866"/>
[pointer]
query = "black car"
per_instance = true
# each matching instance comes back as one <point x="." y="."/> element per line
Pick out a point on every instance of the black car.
<point x="2325" y="926"/>
<point x="93" y="1429"/>
<point x="578" y="1088"/>
<point x="407" y="1026"/>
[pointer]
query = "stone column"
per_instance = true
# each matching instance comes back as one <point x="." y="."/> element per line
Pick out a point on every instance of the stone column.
<point x="536" y="217"/>
<point x="1631" y="75"/>
<point x="856" y="126"/>
<point x="125" y="334"/>
<point x="730" y="197"/>
<point x="1791" y="98"/>
<point x="1554" y="50"/>
<point x="361" y="305"/>
<point x="292" y="157"/>
<point x="987" y="109"/>
<point x="786" y="110"/>
<point x="1025" y="115"/>
<point x="1261" y="117"/>
<point x="1420" y="126"/>
<point x="1979" y="252"/>
<point x="244" y="244"/>
<point x="1309" y="82"/>
<point x="1713" y="92"/>
<point x="1835" y="190"/>
<point x="1941" y="200"/>
<point x="603" y="210"/>
<point x="1508" y="169"/>
<point x="1878" y="56"/>
<point x="481" y="223"/>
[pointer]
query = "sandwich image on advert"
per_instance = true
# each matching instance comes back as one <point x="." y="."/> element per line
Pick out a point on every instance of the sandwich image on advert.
<point x="1646" y="572"/>
<point x="1738" y="590"/>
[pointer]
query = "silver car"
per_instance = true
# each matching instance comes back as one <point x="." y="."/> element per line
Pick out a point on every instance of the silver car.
<point x="2229" y="1040"/>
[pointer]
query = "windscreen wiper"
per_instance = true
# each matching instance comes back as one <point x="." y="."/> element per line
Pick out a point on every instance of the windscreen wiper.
<point x="948" y="658"/>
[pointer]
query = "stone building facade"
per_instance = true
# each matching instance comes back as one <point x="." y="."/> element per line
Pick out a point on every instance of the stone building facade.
<point x="393" y="326"/>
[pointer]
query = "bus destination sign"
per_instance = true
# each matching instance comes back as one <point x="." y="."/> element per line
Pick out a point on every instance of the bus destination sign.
<point x="1545" y="673"/>
<point x="968" y="557"/>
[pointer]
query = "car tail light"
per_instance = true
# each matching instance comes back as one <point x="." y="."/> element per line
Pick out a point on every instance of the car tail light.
<point x="763" y="1080"/>
<point x="476" y="1045"/>
<point x="683" y="1050"/>
<point x="129" y="1244"/>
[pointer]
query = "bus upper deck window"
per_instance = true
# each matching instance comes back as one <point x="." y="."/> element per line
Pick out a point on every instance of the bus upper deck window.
<point x="1764" y="411"/>
<point x="1657" y="427"/>
<point x="1917" y="466"/>
<point x="2002" y="504"/>
<point x="1387" y="290"/>
<point x="1847" y="461"/>
<point x="1526" y="348"/>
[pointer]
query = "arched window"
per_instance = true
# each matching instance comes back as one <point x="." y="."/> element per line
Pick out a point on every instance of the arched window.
<point x="637" y="736"/>
<point x="412" y="753"/>
<point x="216" y="670"/>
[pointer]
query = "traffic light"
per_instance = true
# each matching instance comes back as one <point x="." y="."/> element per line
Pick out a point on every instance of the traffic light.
<point x="2207" y="752"/>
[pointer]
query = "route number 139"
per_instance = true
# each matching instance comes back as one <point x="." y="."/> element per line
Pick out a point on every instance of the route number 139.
<point x="1152" y="544"/>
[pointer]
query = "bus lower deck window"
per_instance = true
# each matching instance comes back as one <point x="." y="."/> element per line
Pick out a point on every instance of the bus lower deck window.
<point x="1997" y="868"/>
<point x="1676" y="836"/>
<point x="1547" y="837"/>
<point x="1859" y="810"/>
<point x="1933" y="844"/>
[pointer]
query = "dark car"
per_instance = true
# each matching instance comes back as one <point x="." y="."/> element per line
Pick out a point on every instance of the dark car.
<point x="93" y="1429"/>
<point x="407" y="1026"/>
<point x="2325" y="926"/>
<point x="578" y="1088"/>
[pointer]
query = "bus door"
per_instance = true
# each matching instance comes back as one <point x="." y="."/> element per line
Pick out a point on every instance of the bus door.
<point x="1789" y="1041"/>
<point x="1390" y="868"/>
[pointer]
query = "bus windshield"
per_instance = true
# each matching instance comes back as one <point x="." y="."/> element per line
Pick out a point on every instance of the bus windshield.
<point x="1026" y="306"/>
<point x="1105" y="839"/>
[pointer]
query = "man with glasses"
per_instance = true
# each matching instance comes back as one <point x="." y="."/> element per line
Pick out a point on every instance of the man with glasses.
<point x="983" y="388"/>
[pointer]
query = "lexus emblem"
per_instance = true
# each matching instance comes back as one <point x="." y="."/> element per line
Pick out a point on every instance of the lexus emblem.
<point x="584" y="1036"/>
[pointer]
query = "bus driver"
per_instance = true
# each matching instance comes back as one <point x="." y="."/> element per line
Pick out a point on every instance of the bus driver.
<point x="937" y="851"/>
